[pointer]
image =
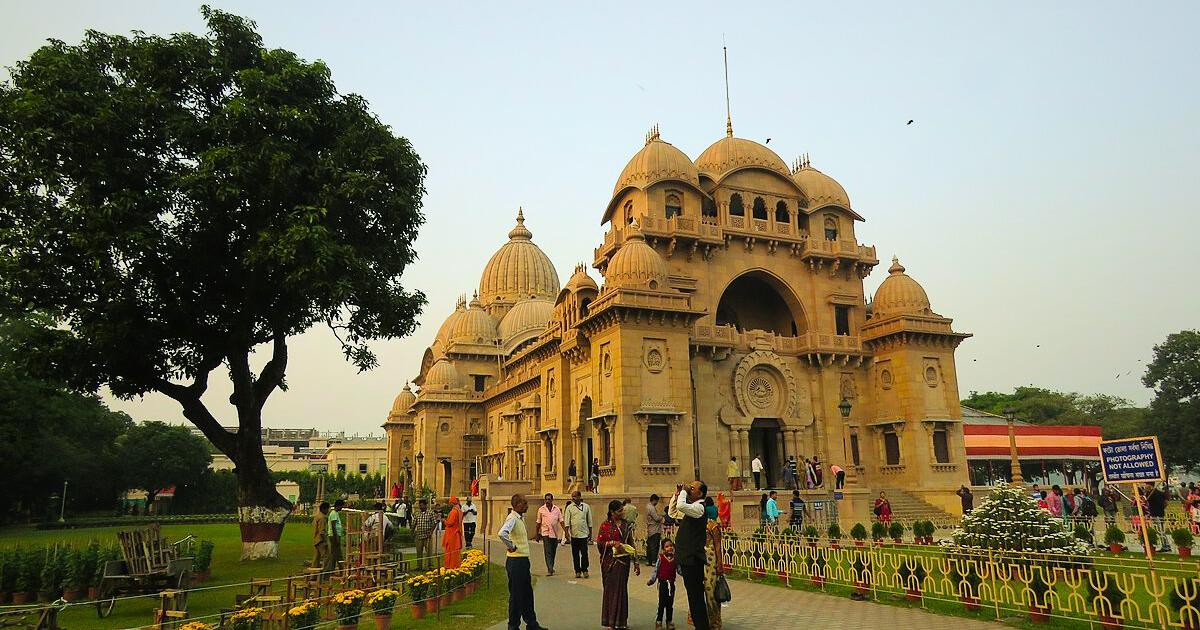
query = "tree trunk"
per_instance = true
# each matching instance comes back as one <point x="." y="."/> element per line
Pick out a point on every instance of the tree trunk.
<point x="261" y="509"/>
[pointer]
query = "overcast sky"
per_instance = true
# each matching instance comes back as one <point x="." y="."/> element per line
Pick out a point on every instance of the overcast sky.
<point x="1044" y="196"/>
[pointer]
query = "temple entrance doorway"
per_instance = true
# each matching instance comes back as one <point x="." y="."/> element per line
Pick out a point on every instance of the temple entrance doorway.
<point x="766" y="441"/>
<point x="446" y="478"/>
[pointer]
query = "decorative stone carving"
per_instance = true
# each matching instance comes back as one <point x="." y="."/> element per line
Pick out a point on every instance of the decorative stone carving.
<point x="654" y="360"/>
<point x="846" y="388"/>
<point x="764" y="386"/>
<point x="885" y="378"/>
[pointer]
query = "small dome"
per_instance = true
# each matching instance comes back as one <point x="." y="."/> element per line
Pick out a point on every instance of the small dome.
<point x="820" y="189"/>
<point x="474" y="326"/>
<point x="441" y="376"/>
<point x="442" y="339"/>
<point x="581" y="280"/>
<point x="636" y="265"/>
<point x="404" y="401"/>
<point x="528" y="318"/>
<point x="730" y="154"/>
<point x="899" y="294"/>
<point x="657" y="161"/>
<point x="518" y="270"/>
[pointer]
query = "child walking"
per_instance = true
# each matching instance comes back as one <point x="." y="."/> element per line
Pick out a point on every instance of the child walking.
<point x="664" y="574"/>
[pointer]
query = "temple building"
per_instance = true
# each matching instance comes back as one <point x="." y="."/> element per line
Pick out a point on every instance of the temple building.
<point x="727" y="318"/>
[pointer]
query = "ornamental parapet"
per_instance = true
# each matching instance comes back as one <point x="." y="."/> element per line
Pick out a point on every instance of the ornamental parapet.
<point x="717" y="336"/>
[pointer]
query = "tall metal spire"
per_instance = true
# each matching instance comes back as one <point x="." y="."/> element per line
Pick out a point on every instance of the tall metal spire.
<point x="728" y="115"/>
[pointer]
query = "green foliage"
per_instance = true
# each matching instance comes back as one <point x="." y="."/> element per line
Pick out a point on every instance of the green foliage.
<point x="203" y="560"/>
<point x="1114" y="536"/>
<point x="834" y="532"/>
<point x="967" y="585"/>
<point x="1009" y="520"/>
<point x="1183" y="537"/>
<point x="1116" y="416"/>
<point x="51" y="571"/>
<point x="812" y="533"/>
<point x="1152" y="535"/>
<point x="1174" y="375"/>
<point x="156" y="455"/>
<point x="1083" y="533"/>
<point x="858" y="532"/>
<point x="338" y="485"/>
<point x="10" y="568"/>
<point x="1107" y="600"/>
<point x="918" y="529"/>
<point x="173" y="204"/>
<point x="895" y="530"/>
<point x="879" y="531"/>
<point x="215" y="492"/>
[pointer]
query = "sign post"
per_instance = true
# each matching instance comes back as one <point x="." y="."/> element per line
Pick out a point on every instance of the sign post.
<point x="1136" y="461"/>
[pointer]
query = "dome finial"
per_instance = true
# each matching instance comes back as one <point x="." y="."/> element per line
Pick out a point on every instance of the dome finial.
<point x="728" y="110"/>
<point x="896" y="267"/>
<point x="634" y="231"/>
<point x="520" y="232"/>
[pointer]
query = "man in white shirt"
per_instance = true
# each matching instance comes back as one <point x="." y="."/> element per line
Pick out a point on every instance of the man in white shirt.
<point x="516" y="564"/>
<point x="687" y="507"/>
<point x="470" y="515"/>
<point x="402" y="512"/>
<point x="756" y="468"/>
<point x="577" y="521"/>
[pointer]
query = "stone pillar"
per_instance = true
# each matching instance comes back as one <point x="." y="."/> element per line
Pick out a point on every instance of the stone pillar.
<point x="744" y="438"/>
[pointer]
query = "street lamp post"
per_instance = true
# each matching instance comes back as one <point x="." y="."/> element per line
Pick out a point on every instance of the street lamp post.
<point x="1010" y="414"/>
<point x="421" y="469"/>
<point x="62" y="512"/>
<point x="845" y="407"/>
<point x="407" y="473"/>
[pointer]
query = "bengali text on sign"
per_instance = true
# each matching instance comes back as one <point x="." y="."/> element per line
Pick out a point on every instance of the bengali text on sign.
<point x="1131" y="459"/>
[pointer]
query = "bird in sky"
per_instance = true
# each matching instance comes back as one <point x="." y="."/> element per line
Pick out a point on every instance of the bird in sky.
<point x="768" y="141"/>
<point x="909" y="122"/>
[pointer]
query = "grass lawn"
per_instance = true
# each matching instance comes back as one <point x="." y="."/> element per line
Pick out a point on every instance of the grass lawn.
<point x="485" y="608"/>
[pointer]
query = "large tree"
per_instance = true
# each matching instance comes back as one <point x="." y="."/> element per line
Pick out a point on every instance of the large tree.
<point x="1174" y="375"/>
<point x="156" y="455"/>
<point x="176" y="203"/>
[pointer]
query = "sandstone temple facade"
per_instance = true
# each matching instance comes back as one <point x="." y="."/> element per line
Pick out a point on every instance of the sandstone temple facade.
<point x="728" y="317"/>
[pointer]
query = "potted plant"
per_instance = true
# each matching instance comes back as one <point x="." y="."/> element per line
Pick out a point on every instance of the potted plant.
<point x="25" y="581"/>
<point x="859" y="534"/>
<point x="71" y="582"/>
<point x="1114" y="538"/>
<point x="1184" y="540"/>
<point x="896" y="531"/>
<point x="1039" y="604"/>
<point x="834" y="532"/>
<point x="50" y="576"/>
<point x="382" y="601"/>
<point x="202" y="563"/>
<point x="912" y="574"/>
<point x="7" y="574"/>
<point x="347" y="606"/>
<point x="87" y="569"/>
<point x="918" y="530"/>
<point x="1189" y="620"/>
<point x="1152" y="535"/>
<point x="967" y="586"/>
<point x="1083" y="533"/>
<point x="200" y="625"/>
<point x="304" y="616"/>
<point x="812" y="533"/>
<point x="247" y="619"/>
<point x="929" y="529"/>
<point x="419" y="588"/>
<point x="878" y="532"/>
<point x="1107" y="603"/>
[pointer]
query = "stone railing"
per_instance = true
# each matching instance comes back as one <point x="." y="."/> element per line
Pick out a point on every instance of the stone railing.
<point x="822" y="343"/>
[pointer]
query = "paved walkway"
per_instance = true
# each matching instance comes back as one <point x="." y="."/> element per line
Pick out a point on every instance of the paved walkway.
<point x="564" y="603"/>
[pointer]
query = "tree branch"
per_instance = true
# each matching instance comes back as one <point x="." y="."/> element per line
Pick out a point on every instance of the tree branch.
<point x="273" y="372"/>
<point x="199" y="415"/>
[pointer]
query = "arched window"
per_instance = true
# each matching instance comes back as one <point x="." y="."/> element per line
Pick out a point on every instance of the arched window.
<point x="735" y="206"/>
<point x="802" y="222"/>
<point x="628" y="212"/>
<point x="760" y="208"/>
<point x="674" y="205"/>
<point x="781" y="213"/>
<point x="708" y="208"/>
<point x="831" y="228"/>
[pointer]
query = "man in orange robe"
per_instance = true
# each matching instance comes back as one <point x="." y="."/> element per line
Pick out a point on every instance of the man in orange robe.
<point x="452" y="539"/>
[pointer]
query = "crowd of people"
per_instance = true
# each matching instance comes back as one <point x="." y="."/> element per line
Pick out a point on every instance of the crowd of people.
<point x="795" y="474"/>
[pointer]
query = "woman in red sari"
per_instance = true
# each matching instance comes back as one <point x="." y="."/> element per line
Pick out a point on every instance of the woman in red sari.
<point x="615" y="542"/>
<point x="724" y="510"/>
<point x="452" y="539"/>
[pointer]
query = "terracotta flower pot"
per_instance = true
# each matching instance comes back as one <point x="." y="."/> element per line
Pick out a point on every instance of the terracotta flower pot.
<point x="1039" y="614"/>
<point x="860" y="588"/>
<point x="859" y="543"/>
<point x="913" y="594"/>
<point x="970" y="603"/>
<point x="93" y="592"/>
<point x="758" y="573"/>
<point x="431" y="605"/>
<point x="897" y="541"/>
<point x="1109" y="622"/>
<point x="342" y="626"/>
<point x="4" y="597"/>
<point x="1115" y="547"/>
<point x="835" y="545"/>
<point x="1185" y="552"/>
<point x="458" y="594"/>
<point x="418" y="611"/>
<point x="445" y="600"/>
<point x="71" y="595"/>
<point x="471" y="588"/>
<point x="383" y="622"/>
<point x="21" y="598"/>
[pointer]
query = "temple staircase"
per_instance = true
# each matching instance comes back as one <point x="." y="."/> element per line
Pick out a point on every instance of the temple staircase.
<point x="907" y="508"/>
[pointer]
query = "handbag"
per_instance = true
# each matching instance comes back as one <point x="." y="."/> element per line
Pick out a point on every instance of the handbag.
<point x="723" y="594"/>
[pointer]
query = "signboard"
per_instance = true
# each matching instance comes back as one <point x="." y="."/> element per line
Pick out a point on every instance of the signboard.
<point x="1131" y="460"/>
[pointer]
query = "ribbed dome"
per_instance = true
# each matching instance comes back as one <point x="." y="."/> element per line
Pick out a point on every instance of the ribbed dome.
<point x="528" y="316"/>
<point x="581" y="280"/>
<point x="404" y="401"/>
<point x="730" y="153"/>
<point x="657" y="161"/>
<point x="518" y="270"/>
<point x="636" y="265"/>
<point x="474" y="326"/>
<point x="443" y="334"/>
<point x="821" y="189"/>
<point x="441" y="376"/>
<point x="899" y="294"/>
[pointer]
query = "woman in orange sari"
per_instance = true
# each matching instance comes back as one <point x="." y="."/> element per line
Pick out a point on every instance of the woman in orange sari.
<point x="452" y="539"/>
<point x="724" y="509"/>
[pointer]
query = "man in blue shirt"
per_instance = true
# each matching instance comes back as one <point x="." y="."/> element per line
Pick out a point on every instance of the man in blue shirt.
<point x="772" y="509"/>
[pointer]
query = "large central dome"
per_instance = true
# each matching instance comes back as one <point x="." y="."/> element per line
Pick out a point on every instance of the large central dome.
<point x="731" y="154"/>
<point x="518" y="270"/>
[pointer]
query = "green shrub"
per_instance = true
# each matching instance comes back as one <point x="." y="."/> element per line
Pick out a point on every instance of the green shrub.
<point x="858" y="532"/>
<point x="10" y="568"/>
<point x="1114" y="536"/>
<point x="907" y="574"/>
<point x="52" y="570"/>
<point x="1183" y="537"/>
<point x="203" y="560"/>
<point x="1152" y="534"/>
<point x="896" y="531"/>
<point x="834" y="532"/>
<point x="878" y="531"/>
<point x="1082" y="532"/>
<point x="812" y="533"/>
<point x="70" y="568"/>
<point x="966" y="585"/>
<point x="918" y="529"/>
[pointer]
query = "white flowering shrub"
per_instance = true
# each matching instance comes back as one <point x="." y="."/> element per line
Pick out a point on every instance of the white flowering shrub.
<point x="1010" y="520"/>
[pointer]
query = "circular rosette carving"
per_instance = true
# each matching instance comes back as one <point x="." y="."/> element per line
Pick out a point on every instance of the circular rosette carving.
<point x="766" y="388"/>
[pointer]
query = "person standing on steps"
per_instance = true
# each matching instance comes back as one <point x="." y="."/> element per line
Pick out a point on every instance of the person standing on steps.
<point x="549" y="524"/>
<point x="516" y="564"/>
<point x="654" y="523"/>
<point x="595" y="475"/>
<point x="794" y="467"/>
<point x="839" y="476"/>
<point x="687" y="507"/>
<point x="470" y="516"/>
<point x="756" y="469"/>
<point x="734" y="473"/>
<point x="577" y="519"/>
<point x="968" y="499"/>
